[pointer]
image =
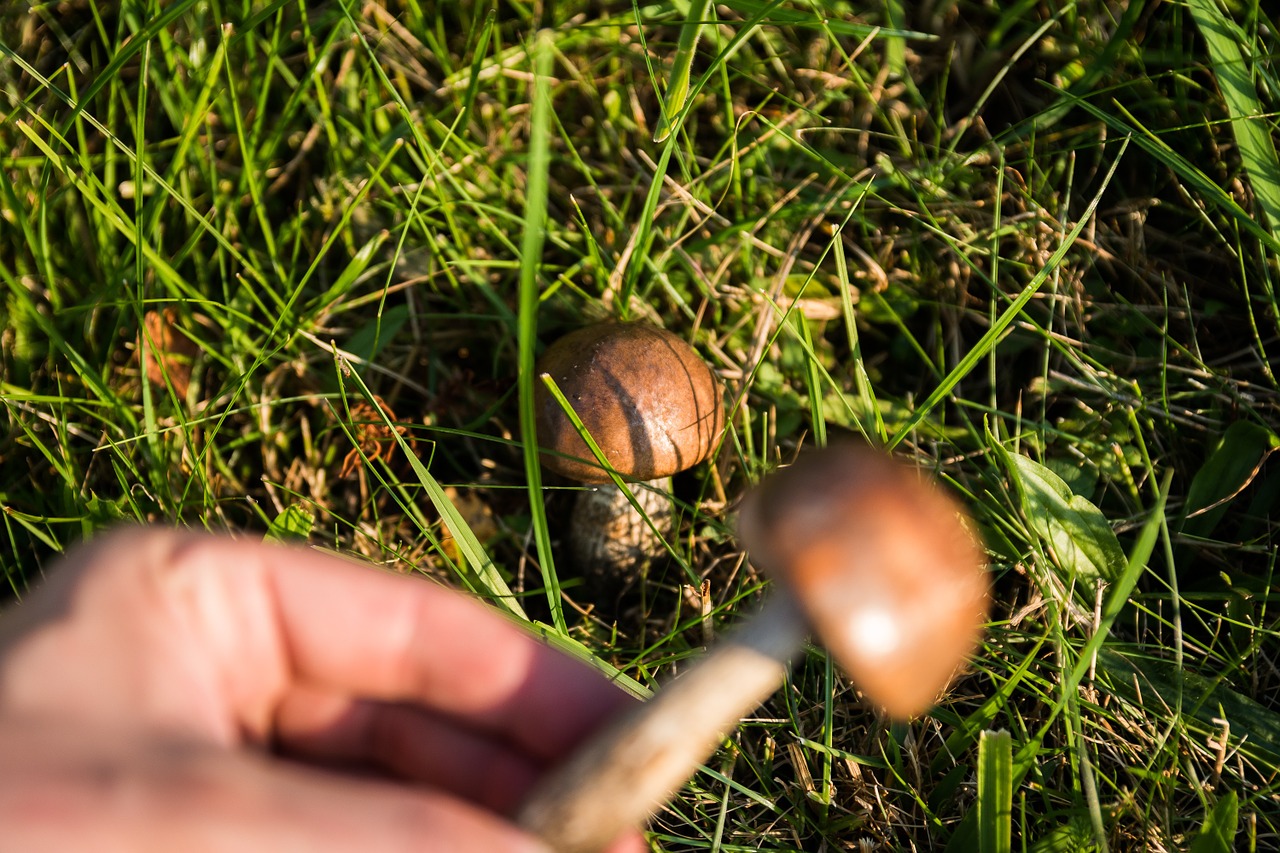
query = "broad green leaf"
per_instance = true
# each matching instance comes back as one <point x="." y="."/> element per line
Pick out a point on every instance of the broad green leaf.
<point x="1074" y="836"/>
<point x="1218" y="833"/>
<point x="995" y="791"/>
<point x="1029" y="752"/>
<point x="1228" y="469"/>
<point x="296" y="522"/>
<point x="100" y="513"/>
<point x="1071" y="528"/>
<point x="1255" y="728"/>
<point x="368" y="340"/>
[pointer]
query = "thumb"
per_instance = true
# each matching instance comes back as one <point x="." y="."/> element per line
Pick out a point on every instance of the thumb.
<point x="68" y="787"/>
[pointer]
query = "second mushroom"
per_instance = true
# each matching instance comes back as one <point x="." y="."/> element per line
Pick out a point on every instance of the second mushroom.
<point x="652" y="406"/>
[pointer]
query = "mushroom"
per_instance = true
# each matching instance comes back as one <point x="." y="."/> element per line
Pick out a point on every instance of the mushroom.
<point x="653" y="407"/>
<point x="876" y="561"/>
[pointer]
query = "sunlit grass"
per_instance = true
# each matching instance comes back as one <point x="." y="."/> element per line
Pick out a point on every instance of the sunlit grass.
<point x="285" y="269"/>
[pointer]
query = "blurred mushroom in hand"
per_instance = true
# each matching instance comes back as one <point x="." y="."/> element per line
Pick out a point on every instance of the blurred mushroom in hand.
<point x="878" y="562"/>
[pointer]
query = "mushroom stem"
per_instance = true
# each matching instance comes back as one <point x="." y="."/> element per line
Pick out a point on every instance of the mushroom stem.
<point x="633" y="766"/>
<point x="609" y="540"/>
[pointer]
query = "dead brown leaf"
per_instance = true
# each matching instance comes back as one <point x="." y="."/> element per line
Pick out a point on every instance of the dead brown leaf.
<point x="166" y="350"/>
<point x="374" y="437"/>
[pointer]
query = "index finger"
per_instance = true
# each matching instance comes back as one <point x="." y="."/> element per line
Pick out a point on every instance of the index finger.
<point x="385" y="636"/>
<point x="202" y="632"/>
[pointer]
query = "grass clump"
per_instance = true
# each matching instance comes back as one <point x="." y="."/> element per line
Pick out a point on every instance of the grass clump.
<point x="284" y="268"/>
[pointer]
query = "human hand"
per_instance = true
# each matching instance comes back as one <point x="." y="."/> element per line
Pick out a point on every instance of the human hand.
<point x="174" y="690"/>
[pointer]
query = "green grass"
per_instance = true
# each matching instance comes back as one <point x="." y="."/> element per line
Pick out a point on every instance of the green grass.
<point x="1033" y="247"/>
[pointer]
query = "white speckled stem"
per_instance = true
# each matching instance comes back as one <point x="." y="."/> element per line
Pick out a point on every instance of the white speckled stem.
<point x="619" y="778"/>
<point x="608" y="538"/>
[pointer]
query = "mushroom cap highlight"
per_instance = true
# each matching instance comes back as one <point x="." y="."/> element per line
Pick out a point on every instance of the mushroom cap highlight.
<point x="883" y="563"/>
<point x="648" y="400"/>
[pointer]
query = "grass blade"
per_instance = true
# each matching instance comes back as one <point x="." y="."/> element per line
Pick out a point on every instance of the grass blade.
<point x="1248" y="122"/>
<point x="535" y="226"/>
<point x="995" y="791"/>
<point x="473" y="553"/>
<point x="1199" y="181"/>
<point x="1002" y="323"/>
<point x="647" y="233"/>
<point x="678" y="86"/>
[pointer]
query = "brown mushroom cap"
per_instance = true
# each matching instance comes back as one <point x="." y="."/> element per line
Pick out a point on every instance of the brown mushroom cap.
<point x="882" y="562"/>
<point x="645" y="396"/>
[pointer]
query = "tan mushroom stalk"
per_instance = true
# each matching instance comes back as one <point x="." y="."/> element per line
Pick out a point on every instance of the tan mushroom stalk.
<point x="652" y="406"/>
<point x="873" y="559"/>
